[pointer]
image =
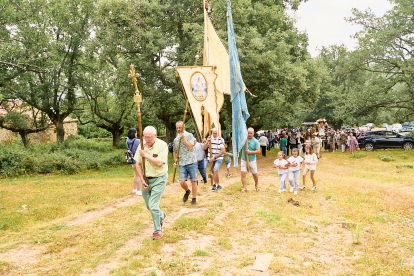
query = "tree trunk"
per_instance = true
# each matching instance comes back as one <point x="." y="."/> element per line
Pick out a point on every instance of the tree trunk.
<point x="25" y="139"/>
<point x="170" y="131"/>
<point x="60" y="131"/>
<point x="338" y="124"/>
<point x="116" y="135"/>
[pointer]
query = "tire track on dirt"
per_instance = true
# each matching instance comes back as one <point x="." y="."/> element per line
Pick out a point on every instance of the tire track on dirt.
<point x="116" y="259"/>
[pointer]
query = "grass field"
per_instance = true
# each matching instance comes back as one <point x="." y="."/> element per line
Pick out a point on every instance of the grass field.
<point x="358" y="222"/>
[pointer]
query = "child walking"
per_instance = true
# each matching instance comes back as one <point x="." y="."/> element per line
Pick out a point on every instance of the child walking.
<point x="282" y="165"/>
<point x="227" y="160"/>
<point x="295" y="165"/>
<point x="310" y="165"/>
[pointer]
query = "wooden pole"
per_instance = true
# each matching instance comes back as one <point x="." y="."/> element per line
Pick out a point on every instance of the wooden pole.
<point x="179" y="142"/>
<point x="247" y="157"/>
<point x="211" y="152"/>
<point x="138" y="100"/>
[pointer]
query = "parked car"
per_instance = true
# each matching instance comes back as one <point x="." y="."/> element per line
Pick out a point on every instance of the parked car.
<point x="384" y="139"/>
<point x="407" y="129"/>
<point x="408" y="124"/>
<point x="347" y="128"/>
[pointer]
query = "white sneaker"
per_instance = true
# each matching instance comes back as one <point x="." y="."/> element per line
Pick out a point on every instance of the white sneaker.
<point x="313" y="188"/>
<point x="291" y="189"/>
<point x="296" y="192"/>
<point x="280" y="191"/>
<point x="284" y="190"/>
<point x="139" y="193"/>
<point x="134" y="191"/>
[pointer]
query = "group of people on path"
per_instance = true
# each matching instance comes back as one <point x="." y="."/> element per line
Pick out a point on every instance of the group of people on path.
<point x="191" y="157"/>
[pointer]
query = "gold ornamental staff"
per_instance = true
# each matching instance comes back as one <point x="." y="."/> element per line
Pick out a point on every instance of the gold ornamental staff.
<point x="138" y="100"/>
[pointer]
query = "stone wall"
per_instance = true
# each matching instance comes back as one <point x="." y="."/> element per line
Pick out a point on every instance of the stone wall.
<point x="6" y="136"/>
<point x="43" y="137"/>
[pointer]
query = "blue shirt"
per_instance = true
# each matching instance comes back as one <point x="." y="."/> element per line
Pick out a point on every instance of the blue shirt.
<point x="253" y="144"/>
<point x="132" y="144"/>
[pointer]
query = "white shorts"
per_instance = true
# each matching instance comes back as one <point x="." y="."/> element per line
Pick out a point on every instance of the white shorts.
<point x="253" y="166"/>
<point x="311" y="167"/>
<point x="228" y="165"/>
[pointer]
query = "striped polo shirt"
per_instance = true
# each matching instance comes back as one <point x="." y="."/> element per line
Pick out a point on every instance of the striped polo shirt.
<point x="216" y="145"/>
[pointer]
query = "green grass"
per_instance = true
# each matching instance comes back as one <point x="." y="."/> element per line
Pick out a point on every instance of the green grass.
<point x="359" y="155"/>
<point x="200" y="252"/>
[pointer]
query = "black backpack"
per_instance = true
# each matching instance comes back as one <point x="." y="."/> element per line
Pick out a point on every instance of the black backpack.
<point x="129" y="156"/>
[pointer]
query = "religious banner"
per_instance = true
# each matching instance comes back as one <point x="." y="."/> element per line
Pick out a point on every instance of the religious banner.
<point x="215" y="54"/>
<point x="200" y="88"/>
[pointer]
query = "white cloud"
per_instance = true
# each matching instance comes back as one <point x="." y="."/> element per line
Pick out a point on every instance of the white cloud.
<point x="323" y="21"/>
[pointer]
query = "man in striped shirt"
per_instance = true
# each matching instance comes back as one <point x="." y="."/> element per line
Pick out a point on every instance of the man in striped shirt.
<point x="216" y="157"/>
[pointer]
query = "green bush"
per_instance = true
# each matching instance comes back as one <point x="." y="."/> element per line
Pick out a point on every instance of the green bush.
<point x="74" y="155"/>
<point x="386" y="158"/>
<point x="399" y="166"/>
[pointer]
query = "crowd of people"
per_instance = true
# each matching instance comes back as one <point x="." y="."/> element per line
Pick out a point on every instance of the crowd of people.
<point x="288" y="139"/>
<point x="192" y="157"/>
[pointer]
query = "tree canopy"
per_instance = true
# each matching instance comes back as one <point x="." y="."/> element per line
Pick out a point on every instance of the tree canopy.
<point x="71" y="58"/>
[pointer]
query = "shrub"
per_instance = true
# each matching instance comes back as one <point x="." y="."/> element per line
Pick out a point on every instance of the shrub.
<point x="74" y="155"/>
<point x="386" y="158"/>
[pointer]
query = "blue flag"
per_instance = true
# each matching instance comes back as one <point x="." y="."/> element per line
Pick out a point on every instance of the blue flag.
<point x="237" y="88"/>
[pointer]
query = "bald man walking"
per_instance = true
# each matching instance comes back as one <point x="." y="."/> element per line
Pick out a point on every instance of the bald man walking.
<point x="155" y="153"/>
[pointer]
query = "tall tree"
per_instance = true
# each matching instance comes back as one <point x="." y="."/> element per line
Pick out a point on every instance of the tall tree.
<point x="108" y="99"/>
<point x="277" y="67"/>
<point x="274" y="60"/>
<point x="42" y="53"/>
<point x="386" y="51"/>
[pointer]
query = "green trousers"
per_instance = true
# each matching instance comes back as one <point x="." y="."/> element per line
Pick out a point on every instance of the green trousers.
<point x="152" y="199"/>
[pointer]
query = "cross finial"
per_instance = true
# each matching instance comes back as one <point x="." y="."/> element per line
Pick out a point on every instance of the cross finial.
<point x="134" y="76"/>
<point x="197" y="56"/>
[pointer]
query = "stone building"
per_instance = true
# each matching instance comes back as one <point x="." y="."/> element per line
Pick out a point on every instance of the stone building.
<point x="47" y="136"/>
<point x="43" y="137"/>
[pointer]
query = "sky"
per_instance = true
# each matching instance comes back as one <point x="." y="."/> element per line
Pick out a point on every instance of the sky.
<point x="323" y="21"/>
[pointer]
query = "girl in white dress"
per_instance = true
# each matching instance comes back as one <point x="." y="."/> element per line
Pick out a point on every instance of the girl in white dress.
<point x="310" y="165"/>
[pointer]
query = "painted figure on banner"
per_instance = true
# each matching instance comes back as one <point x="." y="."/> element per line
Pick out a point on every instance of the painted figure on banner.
<point x="199" y="86"/>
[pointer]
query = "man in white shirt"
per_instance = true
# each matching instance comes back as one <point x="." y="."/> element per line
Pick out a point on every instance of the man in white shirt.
<point x="216" y="157"/>
<point x="263" y="141"/>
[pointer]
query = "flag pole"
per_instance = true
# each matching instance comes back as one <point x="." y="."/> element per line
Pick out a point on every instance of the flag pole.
<point x="211" y="152"/>
<point x="247" y="157"/>
<point x="138" y="100"/>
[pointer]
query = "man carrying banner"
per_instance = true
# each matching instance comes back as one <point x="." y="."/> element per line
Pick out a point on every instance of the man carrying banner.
<point x="187" y="161"/>
<point x="155" y="153"/>
<point x="253" y="148"/>
<point x="216" y="157"/>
